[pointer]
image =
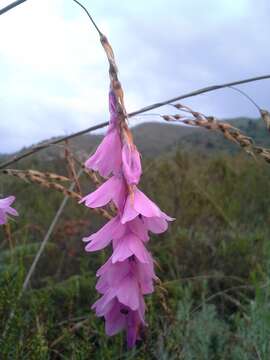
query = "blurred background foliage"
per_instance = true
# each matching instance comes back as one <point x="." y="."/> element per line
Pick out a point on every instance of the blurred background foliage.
<point x="214" y="265"/>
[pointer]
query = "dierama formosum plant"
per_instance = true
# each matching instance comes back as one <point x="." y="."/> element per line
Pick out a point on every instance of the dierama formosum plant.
<point x="128" y="274"/>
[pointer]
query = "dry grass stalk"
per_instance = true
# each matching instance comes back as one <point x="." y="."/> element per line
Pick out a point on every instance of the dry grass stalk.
<point x="265" y="115"/>
<point x="31" y="176"/>
<point x="90" y="173"/>
<point x="97" y="182"/>
<point x="8" y="236"/>
<point x="230" y="132"/>
<point x="27" y="174"/>
<point x="116" y="87"/>
<point x="93" y="176"/>
<point x="55" y="186"/>
<point x="266" y="118"/>
<point x="71" y="194"/>
<point x="71" y="167"/>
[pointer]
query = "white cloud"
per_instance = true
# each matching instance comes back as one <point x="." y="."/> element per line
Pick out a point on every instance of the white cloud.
<point x="39" y="37"/>
<point x="54" y="74"/>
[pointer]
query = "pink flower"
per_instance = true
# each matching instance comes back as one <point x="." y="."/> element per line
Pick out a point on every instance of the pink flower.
<point x="112" y="277"/>
<point x="114" y="229"/>
<point x="138" y="227"/>
<point x="113" y="189"/>
<point x="5" y="209"/>
<point x="134" y="324"/>
<point x="121" y="318"/>
<point x="138" y="204"/>
<point x="128" y="245"/>
<point x="123" y="285"/>
<point x="126" y="290"/>
<point x="132" y="169"/>
<point x="107" y="158"/>
<point x="115" y="318"/>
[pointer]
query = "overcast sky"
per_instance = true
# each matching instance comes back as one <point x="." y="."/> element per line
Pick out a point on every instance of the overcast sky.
<point x="54" y="73"/>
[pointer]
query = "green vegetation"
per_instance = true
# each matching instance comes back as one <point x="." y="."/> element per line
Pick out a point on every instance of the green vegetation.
<point x="214" y="265"/>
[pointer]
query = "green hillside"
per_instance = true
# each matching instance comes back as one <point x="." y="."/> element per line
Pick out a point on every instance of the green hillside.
<point x="155" y="139"/>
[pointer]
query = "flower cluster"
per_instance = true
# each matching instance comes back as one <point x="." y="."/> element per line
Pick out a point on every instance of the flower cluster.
<point x="128" y="274"/>
<point x="5" y="209"/>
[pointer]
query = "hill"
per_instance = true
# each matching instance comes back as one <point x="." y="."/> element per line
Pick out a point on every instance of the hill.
<point x="212" y="299"/>
<point x="154" y="139"/>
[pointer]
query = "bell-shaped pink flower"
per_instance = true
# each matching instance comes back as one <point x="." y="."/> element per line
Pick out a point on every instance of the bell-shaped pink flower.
<point x="115" y="318"/>
<point x="119" y="318"/>
<point x="139" y="228"/>
<point x="114" y="229"/>
<point x="134" y="324"/>
<point x="123" y="285"/>
<point x="127" y="246"/>
<point x="107" y="158"/>
<point x="113" y="189"/>
<point x="111" y="274"/>
<point x="138" y="204"/>
<point x="126" y="291"/>
<point x="131" y="167"/>
<point x="157" y="225"/>
<point x="145" y="274"/>
<point x="5" y="209"/>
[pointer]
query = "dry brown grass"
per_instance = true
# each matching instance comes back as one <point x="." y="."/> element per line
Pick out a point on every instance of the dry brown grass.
<point x="231" y="133"/>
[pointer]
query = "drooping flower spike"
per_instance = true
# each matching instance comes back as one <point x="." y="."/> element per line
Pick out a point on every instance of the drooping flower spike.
<point x="128" y="275"/>
<point x="6" y="209"/>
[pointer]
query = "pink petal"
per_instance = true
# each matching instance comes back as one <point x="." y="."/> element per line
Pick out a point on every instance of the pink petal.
<point x="144" y="206"/>
<point x="128" y="292"/>
<point x="114" y="273"/>
<point x="121" y="251"/>
<point x="104" y="304"/>
<point x="138" y="203"/>
<point x="115" y="320"/>
<point x="137" y="226"/>
<point x="129" y="212"/>
<point x="107" y="158"/>
<point x="6" y="202"/>
<point x="11" y="211"/>
<point x="105" y="193"/>
<point x="3" y="217"/>
<point x="156" y="225"/>
<point x="131" y="165"/>
<point x="167" y="217"/>
<point x="138" y="249"/>
<point x="5" y="209"/>
<point x="102" y="285"/>
<point x="141" y="311"/>
<point x="145" y="276"/>
<point x="133" y="328"/>
<point x="103" y="237"/>
<point x="130" y="245"/>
